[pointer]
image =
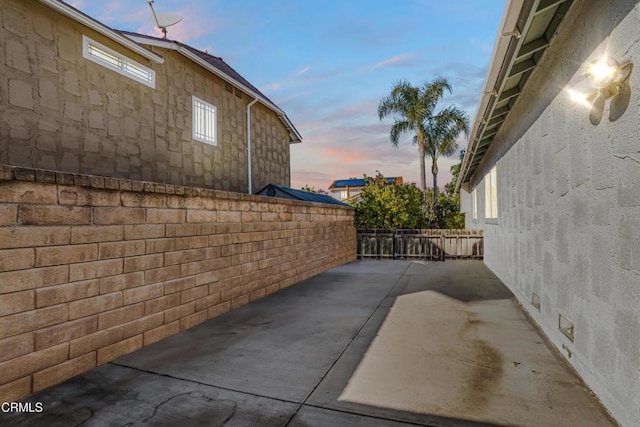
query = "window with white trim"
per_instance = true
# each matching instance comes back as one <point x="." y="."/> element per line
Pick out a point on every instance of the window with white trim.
<point x="115" y="61"/>
<point x="474" y="204"/>
<point x="491" y="195"/>
<point x="204" y="122"/>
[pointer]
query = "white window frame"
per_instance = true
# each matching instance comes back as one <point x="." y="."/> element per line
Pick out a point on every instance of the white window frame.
<point x="115" y="61"/>
<point x="491" y="194"/>
<point x="205" y="121"/>
<point x="474" y="204"/>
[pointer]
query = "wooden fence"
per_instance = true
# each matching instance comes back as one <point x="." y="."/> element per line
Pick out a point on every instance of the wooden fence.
<point x="429" y="244"/>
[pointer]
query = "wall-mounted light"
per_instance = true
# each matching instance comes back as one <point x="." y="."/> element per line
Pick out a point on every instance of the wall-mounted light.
<point x="604" y="78"/>
<point x="607" y="76"/>
<point x="602" y="72"/>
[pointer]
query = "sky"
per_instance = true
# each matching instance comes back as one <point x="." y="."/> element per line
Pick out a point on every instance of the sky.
<point x="328" y="63"/>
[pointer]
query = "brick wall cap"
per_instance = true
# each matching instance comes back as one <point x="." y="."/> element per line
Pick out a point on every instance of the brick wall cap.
<point x="13" y="173"/>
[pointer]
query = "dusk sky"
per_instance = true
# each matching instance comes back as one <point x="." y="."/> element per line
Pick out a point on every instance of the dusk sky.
<point x="328" y="63"/>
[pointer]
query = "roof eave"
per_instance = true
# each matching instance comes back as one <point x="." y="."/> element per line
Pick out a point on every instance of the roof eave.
<point x="511" y="58"/>
<point x="168" y="44"/>
<point x="102" y="29"/>
<point x="508" y="25"/>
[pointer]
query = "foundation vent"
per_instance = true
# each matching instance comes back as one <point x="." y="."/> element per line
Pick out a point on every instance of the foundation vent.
<point x="565" y="326"/>
<point x="535" y="300"/>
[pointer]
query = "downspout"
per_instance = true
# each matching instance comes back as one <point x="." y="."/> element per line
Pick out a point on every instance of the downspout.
<point x="249" y="143"/>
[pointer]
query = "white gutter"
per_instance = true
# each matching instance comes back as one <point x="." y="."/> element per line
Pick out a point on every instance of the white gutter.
<point x="195" y="58"/>
<point x="505" y="32"/>
<point x="249" y="143"/>
<point x="102" y="29"/>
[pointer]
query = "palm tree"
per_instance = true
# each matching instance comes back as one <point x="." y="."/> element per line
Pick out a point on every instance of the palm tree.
<point x="414" y="109"/>
<point x="442" y="134"/>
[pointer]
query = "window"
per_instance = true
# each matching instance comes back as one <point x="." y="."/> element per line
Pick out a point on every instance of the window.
<point x="109" y="58"/>
<point x="204" y="122"/>
<point x="491" y="194"/>
<point x="474" y="204"/>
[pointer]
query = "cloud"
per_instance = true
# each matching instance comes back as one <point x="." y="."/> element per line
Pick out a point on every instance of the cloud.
<point x="271" y="87"/>
<point x="304" y="70"/>
<point x="403" y="59"/>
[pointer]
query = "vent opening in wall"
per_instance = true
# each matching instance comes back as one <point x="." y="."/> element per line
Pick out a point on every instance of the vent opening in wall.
<point x="238" y="93"/>
<point x="535" y="300"/>
<point x="228" y="87"/>
<point x="566" y="327"/>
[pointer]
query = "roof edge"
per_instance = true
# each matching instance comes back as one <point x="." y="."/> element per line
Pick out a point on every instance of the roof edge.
<point x="506" y="29"/>
<point x="177" y="46"/>
<point x="87" y="21"/>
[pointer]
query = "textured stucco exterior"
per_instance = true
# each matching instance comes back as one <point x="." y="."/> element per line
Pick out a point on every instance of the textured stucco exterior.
<point x="59" y="111"/>
<point x="568" y="227"/>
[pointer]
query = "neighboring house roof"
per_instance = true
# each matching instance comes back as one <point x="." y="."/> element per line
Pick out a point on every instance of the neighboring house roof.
<point x="361" y="182"/>
<point x="78" y="16"/>
<point x="525" y="33"/>
<point x="273" y="190"/>
<point x="220" y="68"/>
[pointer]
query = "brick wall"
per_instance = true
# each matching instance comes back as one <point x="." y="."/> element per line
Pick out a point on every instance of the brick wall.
<point x="92" y="268"/>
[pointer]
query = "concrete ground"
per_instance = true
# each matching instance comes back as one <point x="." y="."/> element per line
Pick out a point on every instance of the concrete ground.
<point x="371" y="343"/>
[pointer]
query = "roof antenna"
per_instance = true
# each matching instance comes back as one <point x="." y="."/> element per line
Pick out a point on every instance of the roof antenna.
<point x="164" y="20"/>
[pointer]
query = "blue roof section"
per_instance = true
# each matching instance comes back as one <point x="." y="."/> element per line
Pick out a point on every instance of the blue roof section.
<point x="273" y="190"/>
<point x="357" y="182"/>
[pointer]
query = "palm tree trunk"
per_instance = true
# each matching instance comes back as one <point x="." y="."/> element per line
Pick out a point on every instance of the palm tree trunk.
<point x="434" y="172"/>
<point x="423" y="175"/>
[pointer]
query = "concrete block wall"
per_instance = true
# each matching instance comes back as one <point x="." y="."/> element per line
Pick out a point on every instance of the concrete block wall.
<point x="569" y="206"/>
<point x="92" y="268"/>
<point x="60" y="111"/>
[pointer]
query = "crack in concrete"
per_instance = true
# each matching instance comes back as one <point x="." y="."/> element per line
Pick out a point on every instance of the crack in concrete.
<point x="198" y="395"/>
<point x="247" y="393"/>
<point x="353" y="337"/>
<point x="627" y="157"/>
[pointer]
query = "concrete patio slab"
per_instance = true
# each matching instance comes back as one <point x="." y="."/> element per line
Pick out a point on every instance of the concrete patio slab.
<point x="386" y="343"/>
<point x="281" y="350"/>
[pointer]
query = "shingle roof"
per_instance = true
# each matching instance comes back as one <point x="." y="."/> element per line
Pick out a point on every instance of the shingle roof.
<point x="219" y="64"/>
<point x="225" y="68"/>
<point x="274" y="190"/>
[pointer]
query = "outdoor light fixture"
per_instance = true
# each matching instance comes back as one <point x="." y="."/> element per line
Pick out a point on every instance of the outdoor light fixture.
<point x="603" y="80"/>
<point x="602" y="72"/>
<point x="606" y="76"/>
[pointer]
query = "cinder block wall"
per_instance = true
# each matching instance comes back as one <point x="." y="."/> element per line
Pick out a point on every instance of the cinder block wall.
<point x="92" y="268"/>
<point x="60" y="111"/>
<point x="568" y="226"/>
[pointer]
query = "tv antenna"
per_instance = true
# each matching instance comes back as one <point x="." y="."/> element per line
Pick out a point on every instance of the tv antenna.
<point x="164" y="20"/>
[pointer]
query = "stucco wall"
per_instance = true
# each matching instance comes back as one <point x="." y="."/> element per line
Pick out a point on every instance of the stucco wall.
<point x="93" y="268"/>
<point x="569" y="206"/>
<point x="61" y="112"/>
